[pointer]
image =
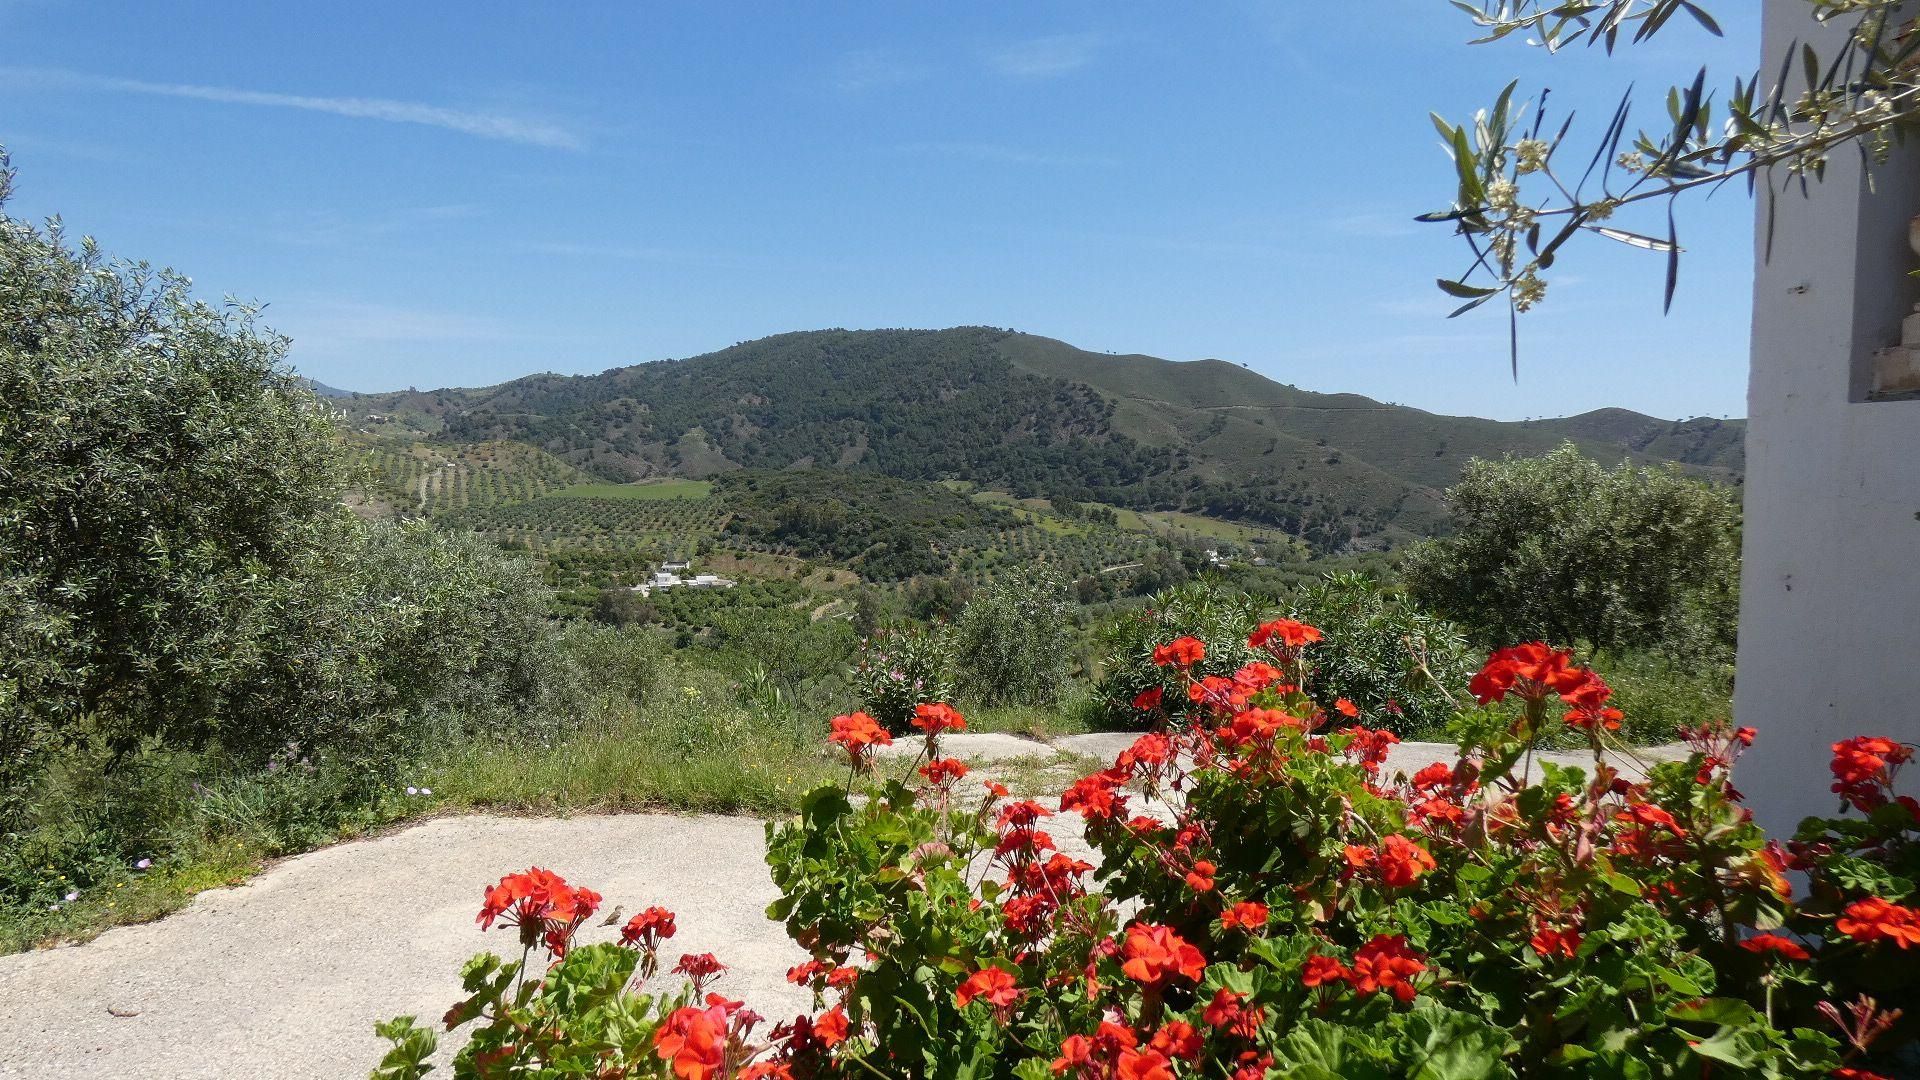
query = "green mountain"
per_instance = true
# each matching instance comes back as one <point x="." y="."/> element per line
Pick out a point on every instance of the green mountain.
<point x="1033" y="416"/>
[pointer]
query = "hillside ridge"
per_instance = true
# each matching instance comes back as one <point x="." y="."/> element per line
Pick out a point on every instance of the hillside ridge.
<point x="1035" y="416"/>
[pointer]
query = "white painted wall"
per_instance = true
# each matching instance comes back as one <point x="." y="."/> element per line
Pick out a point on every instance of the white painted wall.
<point x="1830" y="588"/>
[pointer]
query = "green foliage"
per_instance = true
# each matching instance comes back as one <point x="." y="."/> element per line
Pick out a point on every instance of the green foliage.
<point x="1204" y="610"/>
<point x="903" y="667"/>
<point x="1565" y="549"/>
<point x="1279" y="903"/>
<point x="886" y="529"/>
<point x="161" y="474"/>
<point x="391" y="631"/>
<point x="1038" y="418"/>
<point x="1381" y="652"/>
<point x="1011" y="641"/>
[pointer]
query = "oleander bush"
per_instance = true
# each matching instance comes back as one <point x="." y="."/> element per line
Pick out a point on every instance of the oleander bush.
<point x="902" y="668"/>
<point x="1271" y="900"/>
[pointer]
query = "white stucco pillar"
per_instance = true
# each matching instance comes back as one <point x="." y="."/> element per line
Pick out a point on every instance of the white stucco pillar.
<point x="1830" y="586"/>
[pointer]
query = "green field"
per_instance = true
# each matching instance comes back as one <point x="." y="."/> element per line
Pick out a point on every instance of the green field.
<point x="646" y="489"/>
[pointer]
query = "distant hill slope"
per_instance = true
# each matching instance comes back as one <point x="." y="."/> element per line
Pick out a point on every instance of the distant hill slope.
<point x="1035" y="416"/>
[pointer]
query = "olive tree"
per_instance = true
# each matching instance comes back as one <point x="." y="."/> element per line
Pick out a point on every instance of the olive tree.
<point x="1012" y="640"/>
<point x="176" y="563"/>
<point x="1563" y="548"/>
<point x="1526" y="183"/>
<point x="160" y="470"/>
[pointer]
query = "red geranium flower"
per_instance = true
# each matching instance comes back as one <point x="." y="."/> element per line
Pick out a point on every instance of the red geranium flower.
<point x="541" y="904"/>
<point x="1402" y="861"/>
<point x="647" y="930"/>
<point x="1290" y="633"/>
<point x="1532" y="670"/>
<point x="699" y="967"/>
<point x="1874" y="919"/>
<point x="1762" y="944"/>
<point x="1147" y="700"/>
<point x="1550" y="941"/>
<point x="694" y="1040"/>
<point x="1181" y="652"/>
<point x="1322" y="971"/>
<point x="1246" y="915"/>
<point x="857" y="733"/>
<point x="938" y="717"/>
<point x="994" y="984"/>
<point x="1144" y="1065"/>
<point x="1178" y="1039"/>
<point x="831" y="1027"/>
<point x="1385" y="963"/>
<point x="1200" y="878"/>
<point x="1155" y="954"/>
<point x="943" y="771"/>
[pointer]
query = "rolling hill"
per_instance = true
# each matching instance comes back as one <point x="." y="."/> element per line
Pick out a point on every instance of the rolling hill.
<point x="1033" y="416"/>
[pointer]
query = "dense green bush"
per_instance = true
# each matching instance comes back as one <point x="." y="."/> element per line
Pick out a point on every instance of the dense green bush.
<point x="1563" y="548"/>
<point x="1204" y="610"/>
<point x="1381" y="652"/>
<point x="901" y="668"/>
<point x="1011" y="641"/>
<point x="161" y="474"/>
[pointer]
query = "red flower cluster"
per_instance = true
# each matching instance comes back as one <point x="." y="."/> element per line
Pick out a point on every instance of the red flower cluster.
<point x="1283" y="634"/>
<point x="1874" y="919"/>
<point x="699" y="967"/>
<point x="1533" y="671"/>
<point x="700" y="1043"/>
<point x="1154" y="954"/>
<point x="1246" y="915"/>
<point x="994" y="985"/>
<point x="941" y="772"/>
<point x="1863" y="769"/>
<point x="541" y="904"/>
<point x="1398" y="860"/>
<point x="1775" y="945"/>
<point x="858" y="734"/>
<point x="938" y="717"/>
<point x="1181" y="652"/>
<point x="1384" y="963"/>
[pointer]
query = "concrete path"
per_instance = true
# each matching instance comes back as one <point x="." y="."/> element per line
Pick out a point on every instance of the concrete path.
<point x="284" y="976"/>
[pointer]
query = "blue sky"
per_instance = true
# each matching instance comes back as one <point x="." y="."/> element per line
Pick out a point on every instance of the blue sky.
<point x="440" y="194"/>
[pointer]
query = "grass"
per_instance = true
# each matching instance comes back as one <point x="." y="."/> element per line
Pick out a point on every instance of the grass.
<point x="646" y="489"/>
<point x="1074" y="716"/>
<point x="617" y="771"/>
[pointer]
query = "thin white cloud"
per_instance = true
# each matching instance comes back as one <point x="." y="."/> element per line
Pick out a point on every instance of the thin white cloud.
<point x="485" y="125"/>
<point x="1001" y="153"/>
<point x="866" y="69"/>
<point x="646" y="254"/>
<point x="1041" y="58"/>
<point x="328" y="324"/>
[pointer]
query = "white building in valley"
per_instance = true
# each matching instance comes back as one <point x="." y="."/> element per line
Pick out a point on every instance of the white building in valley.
<point x="667" y="578"/>
<point x="1830" y="584"/>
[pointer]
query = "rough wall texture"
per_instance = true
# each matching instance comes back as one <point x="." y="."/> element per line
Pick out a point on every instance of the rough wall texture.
<point x="1830" y="601"/>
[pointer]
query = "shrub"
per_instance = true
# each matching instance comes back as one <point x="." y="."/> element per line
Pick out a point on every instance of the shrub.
<point x="1384" y="654"/>
<point x="1011" y="641"/>
<point x="903" y="668"/>
<point x="1562" y="548"/>
<point x="161" y="472"/>
<point x="1294" y="910"/>
<point x="1203" y="610"/>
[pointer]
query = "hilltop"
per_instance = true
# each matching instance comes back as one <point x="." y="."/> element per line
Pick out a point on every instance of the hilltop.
<point x="1033" y="416"/>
